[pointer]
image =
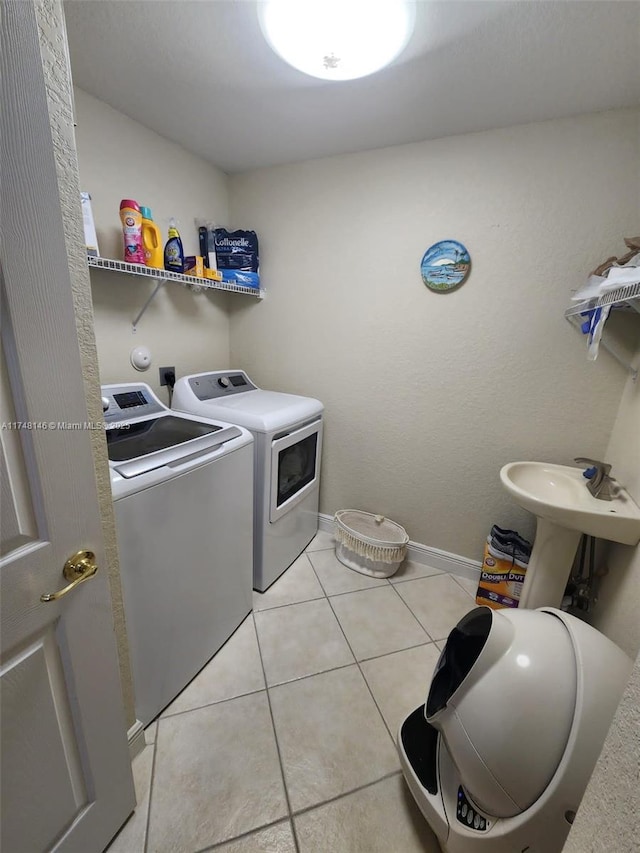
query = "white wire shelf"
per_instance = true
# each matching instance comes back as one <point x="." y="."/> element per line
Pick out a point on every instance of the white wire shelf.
<point x="627" y="297"/>
<point x="163" y="276"/>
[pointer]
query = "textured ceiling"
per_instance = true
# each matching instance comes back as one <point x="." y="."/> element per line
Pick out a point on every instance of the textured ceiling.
<point x="200" y="73"/>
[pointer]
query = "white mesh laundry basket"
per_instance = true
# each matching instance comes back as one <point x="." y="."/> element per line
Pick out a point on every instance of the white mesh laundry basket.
<point x="370" y="544"/>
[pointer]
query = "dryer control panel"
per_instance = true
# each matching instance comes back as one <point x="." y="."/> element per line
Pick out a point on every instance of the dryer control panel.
<point x="127" y="401"/>
<point x="221" y="383"/>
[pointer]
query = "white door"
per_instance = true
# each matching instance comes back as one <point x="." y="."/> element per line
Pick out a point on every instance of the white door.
<point x="66" y="776"/>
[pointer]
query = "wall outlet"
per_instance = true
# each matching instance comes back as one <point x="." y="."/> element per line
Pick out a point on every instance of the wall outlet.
<point x="163" y="374"/>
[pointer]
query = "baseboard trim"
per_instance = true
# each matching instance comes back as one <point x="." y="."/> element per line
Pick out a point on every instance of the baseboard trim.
<point x="454" y="564"/>
<point x="444" y="561"/>
<point x="325" y="522"/>
<point x="136" y="739"/>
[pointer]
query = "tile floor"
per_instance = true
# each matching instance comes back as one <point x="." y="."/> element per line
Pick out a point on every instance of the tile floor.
<point x="285" y="741"/>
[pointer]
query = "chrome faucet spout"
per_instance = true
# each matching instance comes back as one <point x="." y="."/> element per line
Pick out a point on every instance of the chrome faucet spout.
<point x="600" y="484"/>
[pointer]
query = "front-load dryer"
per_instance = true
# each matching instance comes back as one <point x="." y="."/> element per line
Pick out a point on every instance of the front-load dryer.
<point x="287" y="451"/>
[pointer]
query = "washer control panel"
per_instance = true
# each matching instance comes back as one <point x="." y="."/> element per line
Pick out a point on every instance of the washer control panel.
<point x="469" y="815"/>
<point x="123" y="402"/>
<point x="222" y="383"/>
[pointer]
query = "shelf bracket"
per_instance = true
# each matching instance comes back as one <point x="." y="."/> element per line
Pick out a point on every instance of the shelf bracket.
<point x="576" y="322"/>
<point x="152" y="296"/>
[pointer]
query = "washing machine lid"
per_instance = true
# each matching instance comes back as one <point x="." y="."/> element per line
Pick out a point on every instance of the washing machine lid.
<point x="255" y="409"/>
<point x="144" y="437"/>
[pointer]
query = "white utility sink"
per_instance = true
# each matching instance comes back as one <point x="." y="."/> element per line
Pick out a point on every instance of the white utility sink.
<point x="559" y="498"/>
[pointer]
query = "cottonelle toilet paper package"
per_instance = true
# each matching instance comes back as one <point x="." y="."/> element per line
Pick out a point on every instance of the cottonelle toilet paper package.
<point x="237" y="256"/>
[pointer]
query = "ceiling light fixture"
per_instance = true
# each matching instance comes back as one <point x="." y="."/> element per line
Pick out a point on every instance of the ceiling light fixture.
<point x="337" y="39"/>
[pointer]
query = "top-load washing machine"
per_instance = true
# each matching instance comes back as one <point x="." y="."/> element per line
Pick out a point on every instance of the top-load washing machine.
<point x="182" y="489"/>
<point x="288" y="445"/>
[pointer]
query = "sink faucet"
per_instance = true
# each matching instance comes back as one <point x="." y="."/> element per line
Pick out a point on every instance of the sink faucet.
<point x="600" y="484"/>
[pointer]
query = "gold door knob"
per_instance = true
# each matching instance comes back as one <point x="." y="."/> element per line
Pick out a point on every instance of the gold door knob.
<point x="77" y="569"/>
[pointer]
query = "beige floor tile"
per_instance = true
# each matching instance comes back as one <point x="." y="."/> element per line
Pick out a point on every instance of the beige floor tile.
<point x="233" y="671"/>
<point x="321" y="541"/>
<point x="467" y="585"/>
<point x="438" y="602"/>
<point x="273" y="839"/>
<point x="150" y="732"/>
<point x="377" y="621"/>
<point x="301" y="639"/>
<point x="298" y="583"/>
<point x="332" y="738"/>
<point x="382" y="818"/>
<point x="410" y="570"/>
<point x="336" y="577"/>
<point x="217" y="775"/>
<point x="131" y="837"/>
<point x="400" y="682"/>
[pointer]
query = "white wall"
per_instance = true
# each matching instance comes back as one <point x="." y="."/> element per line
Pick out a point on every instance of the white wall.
<point x="119" y="158"/>
<point x="617" y="612"/>
<point x="428" y="395"/>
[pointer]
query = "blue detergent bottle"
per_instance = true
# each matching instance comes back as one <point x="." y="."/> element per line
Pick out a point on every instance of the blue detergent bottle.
<point x="173" y="251"/>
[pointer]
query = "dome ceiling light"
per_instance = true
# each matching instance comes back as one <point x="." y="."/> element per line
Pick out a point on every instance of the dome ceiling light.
<point x="337" y="40"/>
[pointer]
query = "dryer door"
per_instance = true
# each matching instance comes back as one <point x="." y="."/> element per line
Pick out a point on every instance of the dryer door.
<point x="295" y="467"/>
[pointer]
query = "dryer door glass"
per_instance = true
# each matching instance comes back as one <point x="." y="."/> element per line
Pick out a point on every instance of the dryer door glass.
<point x="296" y="467"/>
